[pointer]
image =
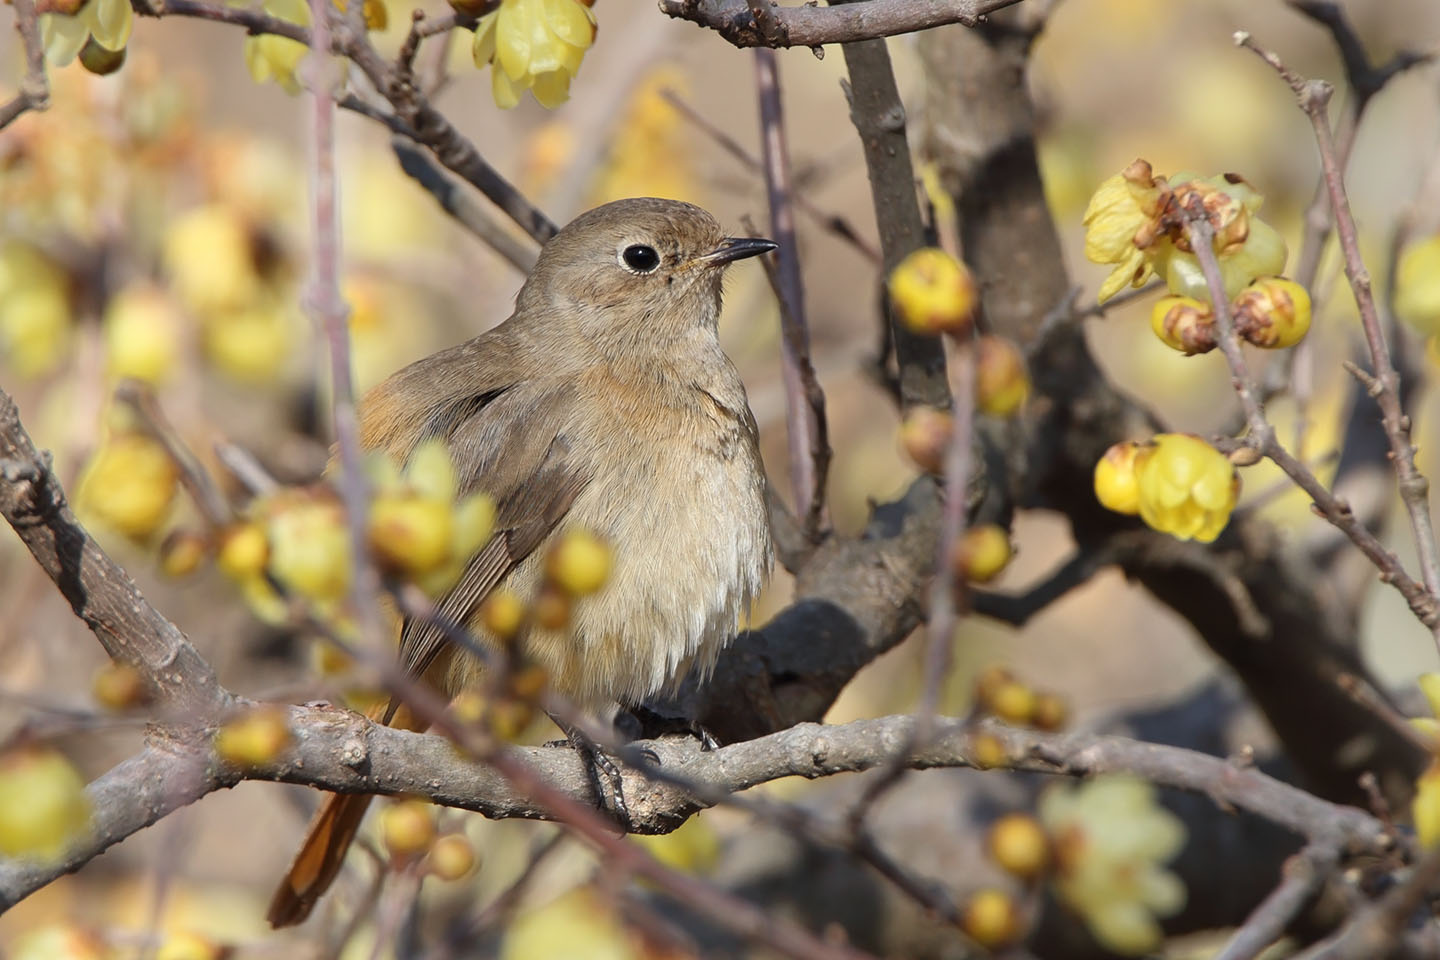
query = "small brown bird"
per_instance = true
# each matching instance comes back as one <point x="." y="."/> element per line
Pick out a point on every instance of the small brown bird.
<point x="603" y="403"/>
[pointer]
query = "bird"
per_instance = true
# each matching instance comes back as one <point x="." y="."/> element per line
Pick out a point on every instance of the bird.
<point x="603" y="403"/>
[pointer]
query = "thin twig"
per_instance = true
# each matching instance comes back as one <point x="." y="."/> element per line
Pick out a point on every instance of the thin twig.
<point x="323" y="300"/>
<point x="1313" y="97"/>
<point x="197" y="480"/>
<point x="34" y="87"/>
<point x="804" y="402"/>
<point x="1263" y="441"/>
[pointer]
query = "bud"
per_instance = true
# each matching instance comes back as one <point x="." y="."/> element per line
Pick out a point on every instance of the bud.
<point x="933" y="292"/>
<point x="183" y="552"/>
<point x="1272" y="312"/>
<point x="502" y="613"/>
<point x="579" y="564"/>
<point x="100" y="60"/>
<point x="981" y="553"/>
<point x="468" y="707"/>
<point x="991" y="918"/>
<point x="254" y="738"/>
<point x="451" y="858"/>
<point x="243" y="551"/>
<point x="528" y="682"/>
<point x="119" y="686"/>
<point x="1001" y="383"/>
<point x="129" y="484"/>
<point x="1017" y="843"/>
<point x="1184" y="324"/>
<point x="551" y="609"/>
<point x="328" y="660"/>
<point x="408" y="828"/>
<point x="1051" y="712"/>
<point x="925" y="434"/>
<point x="987" y="752"/>
<point x="1013" y="702"/>
<point x="509" y="718"/>
<point x="1117" y="486"/>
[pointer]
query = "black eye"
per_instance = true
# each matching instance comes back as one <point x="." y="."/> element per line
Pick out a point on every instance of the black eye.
<point x="640" y="257"/>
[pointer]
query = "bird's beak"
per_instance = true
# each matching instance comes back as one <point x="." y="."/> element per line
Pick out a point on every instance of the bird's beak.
<point x="737" y="248"/>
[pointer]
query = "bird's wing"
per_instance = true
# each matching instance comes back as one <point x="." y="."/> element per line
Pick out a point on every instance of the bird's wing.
<point x="512" y="445"/>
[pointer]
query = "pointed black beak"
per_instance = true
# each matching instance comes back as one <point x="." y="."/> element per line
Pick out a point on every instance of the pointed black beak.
<point x="738" y="248"/>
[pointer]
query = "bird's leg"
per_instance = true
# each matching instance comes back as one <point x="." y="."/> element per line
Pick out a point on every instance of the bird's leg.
<point x="651" y="724"/>
<point x="599" y="764"/>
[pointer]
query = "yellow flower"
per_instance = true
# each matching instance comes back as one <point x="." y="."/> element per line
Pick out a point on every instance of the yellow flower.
<point x="1111" y="838"/>
<point x="254" y="738"/>
<point x="649" y="154"/>
<point x="107" y="21"/>
<point x="1245" y="246"/>
<point x="1417" y="286"/>
<point x="933" y="292"/>
<point x="309" y="546"/>
<point x="269" y="56"/>
<point x="1001" y="381"/>
<point x="1186" y="487"/>
<point x="252" y="344"/>
<point x="537" y="45"/>
<point x="43" y="806"/>
<point x="35" y="321"/>
<point x="61" y="942"/>
<point x="210" y="258"/>
<point x="1118" y="226"/>
<point x="142" y="334"/>
<point x="129" y="485"/>
<point x="1425" y="806"/>
<point x="418" y="527"/>
<point x="982" y="553"/>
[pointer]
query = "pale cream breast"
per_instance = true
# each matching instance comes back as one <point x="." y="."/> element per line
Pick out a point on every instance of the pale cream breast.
<point x="680" y="499"/>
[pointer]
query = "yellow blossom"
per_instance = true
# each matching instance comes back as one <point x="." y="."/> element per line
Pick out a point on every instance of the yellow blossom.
<point x="60" y="942"/>
<point x="43" y="805"/>
<point x="129" y="484"/>
<point x="209" y="255"/>
<point x="1425" y="806"/>
<point x="108" y="22"/>
<point x="35" y="320"/>
<point x="1116" y="226"/>
<point x="418" y="526"/>
<point x="188" y="945"/>
<point x="253" y="343"/>
<point x="142" y="334"/>
<point x="1186" y="487"/>
<point x="579" y="563"/>
<point x="649" y="154"/>
<point x="1001" y="381"/>
<point x="982" y="553"/>
<point x="269" y="56"/>
<point x="254" y="738"/>
<point x="991" y="918"/>
<point x="309" y="546"/>
<point x="534" y="45"/>
<point x="1417" y="286"/>
<point x="1111" y="839"/>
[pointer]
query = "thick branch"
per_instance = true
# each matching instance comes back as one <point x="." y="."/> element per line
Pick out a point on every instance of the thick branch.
<point x="811" y="26"/>
<point x="341" y="751"/>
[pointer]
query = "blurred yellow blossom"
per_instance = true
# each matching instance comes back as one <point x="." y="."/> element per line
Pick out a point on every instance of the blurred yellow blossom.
<point x="129" y="484"/>
<point x="269" y="56"/>
<point x="1417" y="286"/>
<point x="210" y="258"/>
<point x="1001" y="380"/>
<point x="43" y="805"/>
<point x="252" y="344"/>
<point x="579" y="563"/>
<point x="188" y="945"/>
<point x="309" y="544"/>
<point x="1186" y="487"/>
<point x="534" y="45"/>
<point x="1111" y="839"/>
<point x="1425" y="805"/>
<point x="108" y="22"/>
<point x="142" y="334"/>
<point x="35" y="320"/>
<point x="649" y="154"/>
<point x="579" y="925"/>
<point x="61" y="942"/>
<point x="1116" y="485"/>
<point x="418" y="526"/>
<point x="254" y="738"/>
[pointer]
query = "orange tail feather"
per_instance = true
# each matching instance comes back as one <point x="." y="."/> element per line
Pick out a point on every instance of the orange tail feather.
<point x="327" y="840"/>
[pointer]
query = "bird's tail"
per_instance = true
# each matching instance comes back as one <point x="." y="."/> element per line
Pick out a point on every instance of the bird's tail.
<point x="327" y="839"/>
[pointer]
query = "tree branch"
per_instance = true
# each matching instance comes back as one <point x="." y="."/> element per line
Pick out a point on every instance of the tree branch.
<point x="34" y="87"/>
<point x="810" y="26"/>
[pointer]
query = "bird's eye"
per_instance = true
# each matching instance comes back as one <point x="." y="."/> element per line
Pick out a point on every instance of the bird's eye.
<point x="640" y="257"/>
